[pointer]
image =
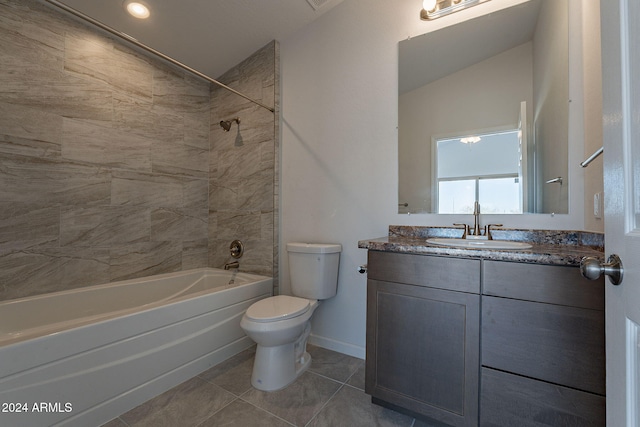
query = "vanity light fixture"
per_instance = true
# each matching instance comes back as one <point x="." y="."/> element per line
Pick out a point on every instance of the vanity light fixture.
<point x="432" y="9"/>
<point x="137" y="9"/>
<point x="470" y="139"/>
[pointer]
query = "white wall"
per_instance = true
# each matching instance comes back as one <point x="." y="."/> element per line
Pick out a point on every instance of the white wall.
<point x="339" y="147"/>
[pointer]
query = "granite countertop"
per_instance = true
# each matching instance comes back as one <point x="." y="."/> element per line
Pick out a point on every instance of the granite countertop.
<point x="553" y="247"/>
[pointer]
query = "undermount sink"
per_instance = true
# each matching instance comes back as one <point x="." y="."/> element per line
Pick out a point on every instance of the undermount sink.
<point x="478" y="244"/>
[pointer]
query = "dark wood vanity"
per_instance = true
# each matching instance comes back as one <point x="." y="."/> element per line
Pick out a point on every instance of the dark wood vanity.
<point x="484" y="340"/>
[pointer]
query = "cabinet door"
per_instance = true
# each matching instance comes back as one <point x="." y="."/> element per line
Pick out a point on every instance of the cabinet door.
<point x="511" y="400"/>
<point x="423" y="350"/>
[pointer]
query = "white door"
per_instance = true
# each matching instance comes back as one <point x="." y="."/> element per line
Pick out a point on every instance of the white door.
<point x="621" y="119"/>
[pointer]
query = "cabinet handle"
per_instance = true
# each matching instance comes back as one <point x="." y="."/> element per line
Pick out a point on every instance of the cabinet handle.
<point x="362" y="269"/>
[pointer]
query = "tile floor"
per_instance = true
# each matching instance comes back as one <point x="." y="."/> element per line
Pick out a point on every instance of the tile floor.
<point x="329" y="394"/>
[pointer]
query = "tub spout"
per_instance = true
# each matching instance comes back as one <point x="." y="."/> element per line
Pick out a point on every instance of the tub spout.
<point x="229" y="265"/>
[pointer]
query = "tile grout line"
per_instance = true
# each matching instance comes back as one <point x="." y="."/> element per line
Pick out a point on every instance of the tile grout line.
<point x="219" y="409"/>
<point x="324" y="405"/>
<point x="333" y="379"/>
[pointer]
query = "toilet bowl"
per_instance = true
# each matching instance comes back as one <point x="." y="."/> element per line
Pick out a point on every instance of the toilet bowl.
<point x="280" y="325"/>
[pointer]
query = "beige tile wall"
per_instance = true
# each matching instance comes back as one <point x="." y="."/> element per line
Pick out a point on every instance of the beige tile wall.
<point x="105" y="163"/>
<point x="243" y="164"/>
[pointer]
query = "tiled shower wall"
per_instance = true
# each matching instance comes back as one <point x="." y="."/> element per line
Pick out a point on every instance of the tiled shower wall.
<point x="104" y="158"/>
<point x="243" y="163"/>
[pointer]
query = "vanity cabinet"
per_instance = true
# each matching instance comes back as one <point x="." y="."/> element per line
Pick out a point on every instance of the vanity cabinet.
<point x="423" y="332"/>
<point x="471" y="342"/>
<point x="543" y="350"/>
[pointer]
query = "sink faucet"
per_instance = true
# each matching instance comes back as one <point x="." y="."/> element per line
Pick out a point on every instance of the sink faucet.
<point x="476" y="215"/>
<point x="466" y="229"/>
<point x="476" y="223"/>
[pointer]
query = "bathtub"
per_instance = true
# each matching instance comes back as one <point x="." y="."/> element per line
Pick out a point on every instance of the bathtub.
<point x="85" y="356"/>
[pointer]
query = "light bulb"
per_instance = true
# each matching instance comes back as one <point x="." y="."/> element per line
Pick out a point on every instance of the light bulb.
<point x="429" y="4"/>
<point x="138" y="10"/>
<point x="470" y="140"/>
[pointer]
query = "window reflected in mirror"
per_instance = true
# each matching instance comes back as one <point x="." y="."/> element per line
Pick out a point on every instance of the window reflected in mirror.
<point x="486" y="168"/>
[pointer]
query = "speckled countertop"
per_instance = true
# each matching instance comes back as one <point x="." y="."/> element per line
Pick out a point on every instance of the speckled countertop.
<point x="554" y="247"/>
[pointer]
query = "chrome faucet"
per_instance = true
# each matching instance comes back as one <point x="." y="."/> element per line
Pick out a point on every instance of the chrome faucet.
<point x="230" y="265"/>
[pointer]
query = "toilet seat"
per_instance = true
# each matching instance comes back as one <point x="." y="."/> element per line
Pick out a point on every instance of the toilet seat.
<point x="279" y="307"/>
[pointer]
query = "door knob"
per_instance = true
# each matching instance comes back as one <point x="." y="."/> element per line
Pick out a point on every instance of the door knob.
<point x="592" y="269"/>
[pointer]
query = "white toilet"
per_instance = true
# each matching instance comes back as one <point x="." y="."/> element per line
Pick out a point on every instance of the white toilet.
<point x="280" y="325"/>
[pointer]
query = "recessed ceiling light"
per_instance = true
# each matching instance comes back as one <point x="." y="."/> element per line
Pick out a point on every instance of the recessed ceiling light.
<point x="137" y="10"/>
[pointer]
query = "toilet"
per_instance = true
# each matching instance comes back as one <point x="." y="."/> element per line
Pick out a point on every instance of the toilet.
<point x="280" y="325"/>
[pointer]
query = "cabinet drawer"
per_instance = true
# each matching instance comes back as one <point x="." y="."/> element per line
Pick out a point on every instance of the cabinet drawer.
<point x="457" y="274"/>
<point x="542" y="283"/>
<point x="510" y="400"/>
<point x="559" y="344"/>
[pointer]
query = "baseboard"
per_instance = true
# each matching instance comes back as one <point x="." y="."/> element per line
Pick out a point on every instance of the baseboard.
<point x="339" y="346"/>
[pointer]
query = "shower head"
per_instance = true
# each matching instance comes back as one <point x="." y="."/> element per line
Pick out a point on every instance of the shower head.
<point x="226" y="124"/>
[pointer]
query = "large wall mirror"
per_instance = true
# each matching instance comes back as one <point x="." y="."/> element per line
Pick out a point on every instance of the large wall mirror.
<point x="484" y="112"/>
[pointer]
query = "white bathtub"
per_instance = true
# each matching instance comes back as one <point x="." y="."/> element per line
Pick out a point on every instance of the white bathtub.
<point x="83" y="357"/>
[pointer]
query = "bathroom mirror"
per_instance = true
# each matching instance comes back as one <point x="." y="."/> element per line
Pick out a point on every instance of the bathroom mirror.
<point x="463" y="90"/>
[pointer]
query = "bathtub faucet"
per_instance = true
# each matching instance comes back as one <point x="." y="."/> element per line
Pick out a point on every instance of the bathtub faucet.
<point x="229" y="265"/>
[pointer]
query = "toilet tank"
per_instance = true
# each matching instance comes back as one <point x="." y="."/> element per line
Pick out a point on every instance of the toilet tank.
<point x="313" y="269"/>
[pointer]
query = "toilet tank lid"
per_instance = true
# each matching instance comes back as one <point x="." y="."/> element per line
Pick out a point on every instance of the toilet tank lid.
<point x="314" y="248"/>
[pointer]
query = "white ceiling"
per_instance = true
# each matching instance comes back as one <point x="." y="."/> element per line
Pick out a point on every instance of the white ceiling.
<point x="210" y="36"/>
